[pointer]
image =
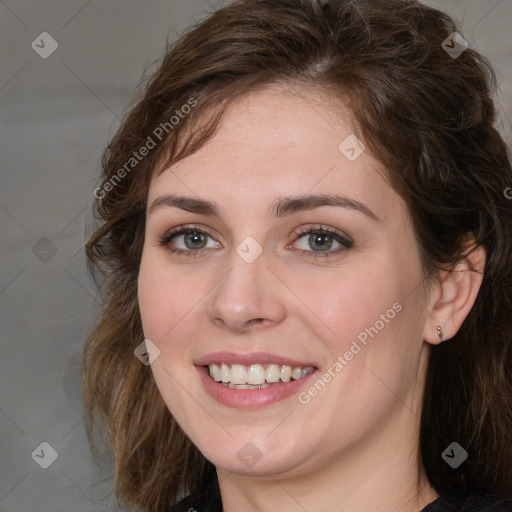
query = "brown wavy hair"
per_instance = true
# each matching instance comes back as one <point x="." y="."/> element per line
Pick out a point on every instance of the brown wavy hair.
<point x="427" y="116"/>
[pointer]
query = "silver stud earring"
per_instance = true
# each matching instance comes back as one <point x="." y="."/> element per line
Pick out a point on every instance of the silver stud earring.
<point x="440" y="333"/>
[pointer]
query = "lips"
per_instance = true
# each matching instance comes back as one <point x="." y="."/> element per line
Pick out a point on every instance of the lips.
<point x="225" y="376"/>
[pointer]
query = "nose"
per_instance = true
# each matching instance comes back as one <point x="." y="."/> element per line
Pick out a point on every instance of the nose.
<point x="248" y="297"/>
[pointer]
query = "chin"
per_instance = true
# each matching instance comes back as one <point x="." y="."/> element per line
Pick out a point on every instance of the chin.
<point x="256" y="457"/>
<point x="279" y="464"/>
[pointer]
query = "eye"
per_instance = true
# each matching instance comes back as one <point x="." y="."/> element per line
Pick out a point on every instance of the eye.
<point x="194" y="240"/>
<point x="322" y="238"/>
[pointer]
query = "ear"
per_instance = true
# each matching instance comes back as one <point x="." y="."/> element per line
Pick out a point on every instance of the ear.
<point x="453" y="296"/>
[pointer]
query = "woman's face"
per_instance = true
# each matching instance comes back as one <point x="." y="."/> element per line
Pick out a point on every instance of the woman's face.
<point x="248" y="294"/>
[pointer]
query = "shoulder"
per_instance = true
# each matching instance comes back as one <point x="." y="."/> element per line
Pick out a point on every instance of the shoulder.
<point x="471" y="503"/>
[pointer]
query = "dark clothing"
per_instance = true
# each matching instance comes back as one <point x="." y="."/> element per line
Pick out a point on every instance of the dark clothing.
<point x="211" y="502"/>
<point x="472" y="503"/>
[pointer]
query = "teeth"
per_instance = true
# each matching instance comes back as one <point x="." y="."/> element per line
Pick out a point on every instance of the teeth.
<point x="215" y="372"/>
<point x="273" y="373"/>
<point x="238" y="374"/>
<point x="247" y="386"/>
<point x="286" y="373"/>
<point x="225" y="373"/>
<point x="255" y="376"/>
<point x="297" y="373"/>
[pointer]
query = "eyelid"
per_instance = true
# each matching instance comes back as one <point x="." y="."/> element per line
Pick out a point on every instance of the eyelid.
<point x="182" y="230"/>
<point x="346" y="242"/>
<point x="342" y="238"/>
<point x="324" y="230"/>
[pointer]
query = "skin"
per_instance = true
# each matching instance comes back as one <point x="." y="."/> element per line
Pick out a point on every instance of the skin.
<point x="354" y="445"/>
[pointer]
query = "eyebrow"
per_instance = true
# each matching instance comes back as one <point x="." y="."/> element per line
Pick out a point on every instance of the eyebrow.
<point x="281" y="207"/>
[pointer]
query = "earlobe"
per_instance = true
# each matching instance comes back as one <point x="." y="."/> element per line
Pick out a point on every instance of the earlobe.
<point x="454" y="296"/>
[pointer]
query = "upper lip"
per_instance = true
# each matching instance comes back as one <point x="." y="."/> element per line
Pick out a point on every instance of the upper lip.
<point x="249" y="358"/>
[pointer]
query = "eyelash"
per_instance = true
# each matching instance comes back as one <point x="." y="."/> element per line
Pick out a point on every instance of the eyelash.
<point x="317" y="230"/>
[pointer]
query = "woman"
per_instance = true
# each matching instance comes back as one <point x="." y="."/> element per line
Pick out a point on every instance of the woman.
<point x="307" y="250"/>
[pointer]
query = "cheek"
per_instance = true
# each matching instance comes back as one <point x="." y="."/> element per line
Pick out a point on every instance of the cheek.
<point x="347" y="302"/>
<point x="368" y="316"/>
<point x="169" y="301"/>
<point x="163" y="305"/>
<point x="160" y="298"/>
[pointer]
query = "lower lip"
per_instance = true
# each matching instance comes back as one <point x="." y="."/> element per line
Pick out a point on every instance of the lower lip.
<point x="250" y="398"/>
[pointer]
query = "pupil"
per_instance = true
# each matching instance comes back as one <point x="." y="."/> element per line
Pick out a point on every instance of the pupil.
<point x="315" y="237"/>
<point x="196" y="237"/>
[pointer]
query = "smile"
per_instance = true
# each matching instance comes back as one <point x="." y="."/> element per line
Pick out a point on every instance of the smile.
<point x="255" y="376"/>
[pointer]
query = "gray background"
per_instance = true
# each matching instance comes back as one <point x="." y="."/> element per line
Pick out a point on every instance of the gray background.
<point x="57" y="115"/>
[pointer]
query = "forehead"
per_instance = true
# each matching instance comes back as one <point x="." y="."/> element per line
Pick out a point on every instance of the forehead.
<point x="281" y="141"/>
